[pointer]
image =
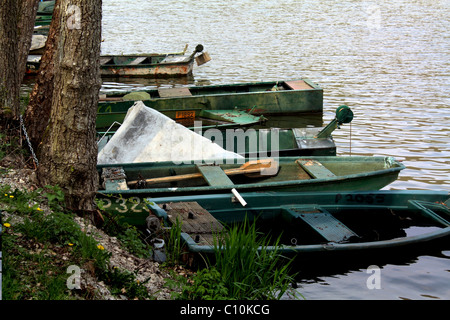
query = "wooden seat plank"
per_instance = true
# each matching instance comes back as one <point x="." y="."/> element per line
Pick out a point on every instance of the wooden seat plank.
<point x="174" y="92"/>
<point x="315" y="169"/>
<point x="322" y="222"/>
<point x="298" y="85"/>
<point x="214" y="175"/>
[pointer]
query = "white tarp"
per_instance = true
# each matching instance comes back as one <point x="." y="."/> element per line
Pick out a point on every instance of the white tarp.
<point x="147" y="135"/>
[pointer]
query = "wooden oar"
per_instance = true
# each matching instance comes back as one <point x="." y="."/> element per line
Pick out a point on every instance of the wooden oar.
<point x="252" y="169"/>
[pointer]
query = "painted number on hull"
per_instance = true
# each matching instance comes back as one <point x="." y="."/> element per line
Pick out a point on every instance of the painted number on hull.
<point x="123" y="205"/>
<point x="185" y="115"/>
<point x="360" y="198"/>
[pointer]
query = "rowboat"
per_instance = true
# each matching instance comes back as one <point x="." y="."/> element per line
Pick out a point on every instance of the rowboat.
<point x="322" y="222"/>
<point x="285" y="142"/>
<point x="141" y="65"/>
<point x="258" y="98"/>
<point x="204" y="119"/>
<point x="249" y="141"/>
<point x="252" y="141"/>
<point x="37" y="45"/>
<point x="288" y="174"/>
<point x="153" y="65"/>
<point x="44" y="13"/>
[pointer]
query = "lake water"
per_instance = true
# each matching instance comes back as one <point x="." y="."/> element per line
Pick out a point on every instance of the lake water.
<point x="389" y="61"/>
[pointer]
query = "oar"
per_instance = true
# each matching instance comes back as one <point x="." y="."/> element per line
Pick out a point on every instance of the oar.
<point x="252" y="169"/>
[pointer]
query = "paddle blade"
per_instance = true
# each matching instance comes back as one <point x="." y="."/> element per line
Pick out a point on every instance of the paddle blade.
<point x="267" y="167"/>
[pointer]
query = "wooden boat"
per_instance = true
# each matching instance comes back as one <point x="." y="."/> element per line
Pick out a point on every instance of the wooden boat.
<point x="253" y="142"/>
<point x="311" y="222"/>
<point x="257" y="98"/>
<point x="142" y="65"/>
<point x="153" y="65"/>
<point x="248" y="142"/>
<point x="285" y="142"/>
<point x="44" y="13"/>
<point x="157" y="179"/>
<point x="37" y="45"/>
<point x="220" y="119"/>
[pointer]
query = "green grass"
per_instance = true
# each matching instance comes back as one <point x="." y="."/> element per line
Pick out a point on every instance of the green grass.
<point x="38" y="247"/>
<point x="243" y="269"/>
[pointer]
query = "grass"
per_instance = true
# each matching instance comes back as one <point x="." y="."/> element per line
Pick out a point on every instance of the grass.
<point x="39" y="247"/>
<point x="243" y="269"/>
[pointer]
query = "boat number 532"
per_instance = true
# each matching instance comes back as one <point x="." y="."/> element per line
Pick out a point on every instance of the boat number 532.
<point x="123" y="205"/>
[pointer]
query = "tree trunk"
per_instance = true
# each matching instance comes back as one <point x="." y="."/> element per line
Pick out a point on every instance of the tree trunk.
<point x="69" y="150"/>
<point x="9" y="77"/>
<point x="27" y="19"/>
<point x="16" y="28"/>
<point x="38" y="110"/>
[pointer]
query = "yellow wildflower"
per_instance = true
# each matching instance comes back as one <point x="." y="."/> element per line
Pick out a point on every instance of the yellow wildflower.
<point x="11" y="197"/>
<point x="101" y="247"/>
<point x="70" y="244"/>
<point x="7" y="225"/>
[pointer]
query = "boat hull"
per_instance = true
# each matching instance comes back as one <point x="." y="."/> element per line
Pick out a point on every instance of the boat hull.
<point x="402" y="218"/>
<point x="351" y="174"/>
<point x="255" y="98"/>
<point x="149" y="71"/>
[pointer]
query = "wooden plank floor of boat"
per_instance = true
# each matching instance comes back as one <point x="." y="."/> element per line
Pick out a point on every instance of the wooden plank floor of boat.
<point x="196" y="221"/>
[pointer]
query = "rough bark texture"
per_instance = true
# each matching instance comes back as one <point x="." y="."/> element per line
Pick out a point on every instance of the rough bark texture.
<point x="27" y="18"/>
<point x="9" y="77"/>
<point x="38" y="110"/>
<point x="69" y="150"/>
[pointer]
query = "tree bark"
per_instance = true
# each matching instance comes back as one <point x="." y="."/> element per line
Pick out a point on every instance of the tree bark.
<point x="9" y="77"/>
<point x="69" y="150"/>
<point x="40" y="104"/>
<point x="27" y="19"/>
<point x="16" y="28"/>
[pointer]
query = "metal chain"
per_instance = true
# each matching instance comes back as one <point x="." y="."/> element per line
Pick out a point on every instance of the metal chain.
<point x="28" y="140"/>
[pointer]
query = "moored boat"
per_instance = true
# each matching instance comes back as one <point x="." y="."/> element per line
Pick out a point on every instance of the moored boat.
<point x="141" y="65"/>
<point x="258" y="98"/>
<point x="251" y="142"/>
<point x="312" y="222"/>
<point x="288" y="174"/>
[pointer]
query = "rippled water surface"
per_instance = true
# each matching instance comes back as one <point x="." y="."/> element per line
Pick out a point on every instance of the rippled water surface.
<point x="387" y="60"/>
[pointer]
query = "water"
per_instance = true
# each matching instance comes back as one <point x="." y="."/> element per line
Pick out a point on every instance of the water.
<point x="387" y="60"/>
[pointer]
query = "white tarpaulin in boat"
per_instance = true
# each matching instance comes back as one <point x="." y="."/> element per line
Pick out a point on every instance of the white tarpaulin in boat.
<point x="147" y="135"/>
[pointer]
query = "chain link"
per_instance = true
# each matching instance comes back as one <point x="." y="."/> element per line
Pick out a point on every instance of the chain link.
<point x="28" y="140"/>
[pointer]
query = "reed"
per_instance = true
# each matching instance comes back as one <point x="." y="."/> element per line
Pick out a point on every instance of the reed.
<point x="174" y="248"/>
<point x="248" y="268"/>
<point x="243" y="268"/>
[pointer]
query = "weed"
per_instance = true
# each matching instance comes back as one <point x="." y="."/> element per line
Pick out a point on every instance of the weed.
<point x="174" y="248"/>
<point x="38" y="247"/>
<point x="244" y="268"/>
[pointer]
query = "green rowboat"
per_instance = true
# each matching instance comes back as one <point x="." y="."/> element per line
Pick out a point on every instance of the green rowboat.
<point x="288" y="174"/>
<point x="324" y="222"/>
<point x="257" y="98"/>
<point x="253" y="142"/>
